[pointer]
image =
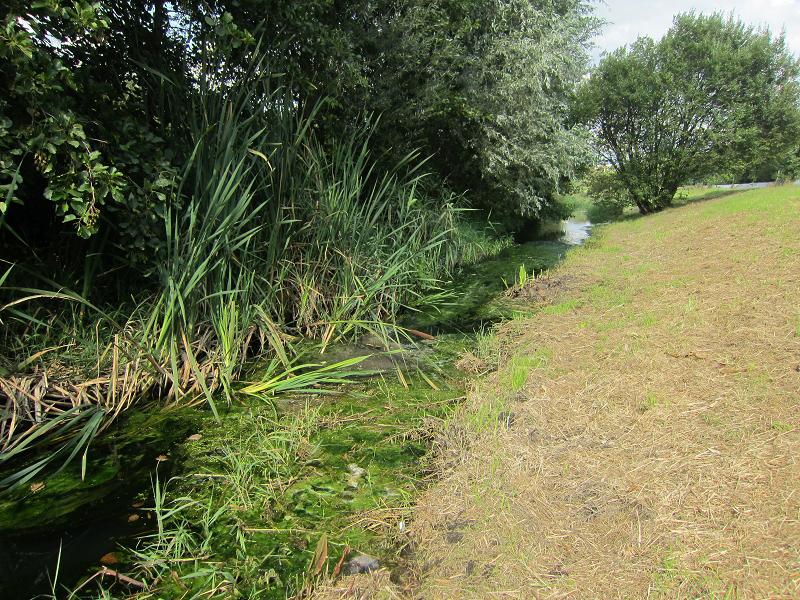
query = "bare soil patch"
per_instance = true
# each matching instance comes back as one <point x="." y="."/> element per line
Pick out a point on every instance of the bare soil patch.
<point x="545" y="289"/>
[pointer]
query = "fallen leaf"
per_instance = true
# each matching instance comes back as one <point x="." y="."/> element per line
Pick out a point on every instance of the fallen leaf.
<point x="138" y="504"/>
<point x="37" y="487"/>
<point x="194" y="438"/>
<point x="338" y="568"/>
<point x="110" y="558"/>
<point x="133" y="518"/>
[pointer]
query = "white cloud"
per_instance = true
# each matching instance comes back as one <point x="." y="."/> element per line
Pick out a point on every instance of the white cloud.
<point x="629" y="19"/>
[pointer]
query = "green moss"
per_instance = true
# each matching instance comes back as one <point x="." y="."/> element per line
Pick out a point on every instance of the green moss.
<point x="121" y="462"/>
<point x="343" y="457"/>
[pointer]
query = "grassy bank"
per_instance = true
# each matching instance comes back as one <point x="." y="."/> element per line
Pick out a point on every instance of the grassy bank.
<point x="639" y="436"/>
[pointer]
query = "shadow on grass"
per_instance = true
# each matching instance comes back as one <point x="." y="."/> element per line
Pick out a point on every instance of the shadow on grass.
<point x="684" y="197"/>
<point x="597" y="214"/>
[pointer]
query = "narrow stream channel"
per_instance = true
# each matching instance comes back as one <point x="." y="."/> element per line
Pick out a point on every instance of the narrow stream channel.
<point x="82" y="522"/>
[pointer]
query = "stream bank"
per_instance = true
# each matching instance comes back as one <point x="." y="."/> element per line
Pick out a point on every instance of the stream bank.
<point x="653" y="447"/>
<point x="254" y="497"/>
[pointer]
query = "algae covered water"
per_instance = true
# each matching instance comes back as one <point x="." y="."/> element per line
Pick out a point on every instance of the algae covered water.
<point x="69" y="521"/>
<point x="473" y="299"/>
<point x="275" y="487"/>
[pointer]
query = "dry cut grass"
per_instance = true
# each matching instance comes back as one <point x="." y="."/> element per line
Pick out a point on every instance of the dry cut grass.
<point x="641" y="437"/>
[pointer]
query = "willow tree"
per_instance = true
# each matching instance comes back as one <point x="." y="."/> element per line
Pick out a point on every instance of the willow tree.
<point x="485" y="88"/>
<point x="714" y="95"/>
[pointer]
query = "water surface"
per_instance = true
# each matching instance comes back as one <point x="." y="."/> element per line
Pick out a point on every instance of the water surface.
<point x="85" y="520"/>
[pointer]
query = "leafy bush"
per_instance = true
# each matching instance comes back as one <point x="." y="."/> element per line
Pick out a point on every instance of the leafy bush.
<point x="608" y="193"/>
<point x="712" y="96"/>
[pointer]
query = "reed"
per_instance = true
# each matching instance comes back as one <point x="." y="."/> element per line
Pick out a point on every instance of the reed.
<point x="271" y="234"/>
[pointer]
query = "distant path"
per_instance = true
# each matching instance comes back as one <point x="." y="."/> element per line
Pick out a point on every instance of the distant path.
<point x="748" y="186"/>
<point x="640" y="437"/>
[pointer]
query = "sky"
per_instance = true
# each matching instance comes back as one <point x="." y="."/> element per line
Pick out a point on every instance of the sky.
<point x="628" y="19"/>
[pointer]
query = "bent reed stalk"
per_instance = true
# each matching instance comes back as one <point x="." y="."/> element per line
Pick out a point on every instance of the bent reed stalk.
<point x="270" y="234"/>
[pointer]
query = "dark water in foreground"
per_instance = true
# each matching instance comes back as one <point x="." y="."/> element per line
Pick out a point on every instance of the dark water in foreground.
<point x="80" y="522"/>
<point x="72" y="523"/>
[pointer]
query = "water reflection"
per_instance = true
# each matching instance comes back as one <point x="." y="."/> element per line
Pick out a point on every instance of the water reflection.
<point x="574" y="231"/>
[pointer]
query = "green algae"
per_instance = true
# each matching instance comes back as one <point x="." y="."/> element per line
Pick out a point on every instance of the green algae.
<point x="123" y="460"/>
<point x="346" y="466"/>
<point x="71" y="521"/>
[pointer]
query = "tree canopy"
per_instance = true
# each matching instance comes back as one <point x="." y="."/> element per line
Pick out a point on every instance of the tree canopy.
<point x="712" y="96"/>
<point x="93" y="124"/>
<point x="484" y="86"/>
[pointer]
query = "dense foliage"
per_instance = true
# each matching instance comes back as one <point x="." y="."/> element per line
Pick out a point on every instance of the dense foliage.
<point x="187" y="185"/>
<point x="485" y="87"/>
<point x="713" y="96"/>
<point x="607" y="192"/>
<point x="93" y="128"/>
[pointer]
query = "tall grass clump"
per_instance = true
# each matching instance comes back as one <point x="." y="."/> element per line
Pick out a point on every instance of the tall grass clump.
<point x="270" y="233"/>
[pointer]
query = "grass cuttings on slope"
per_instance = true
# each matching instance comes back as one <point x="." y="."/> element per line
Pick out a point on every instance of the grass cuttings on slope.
<point x="640" y="437"/>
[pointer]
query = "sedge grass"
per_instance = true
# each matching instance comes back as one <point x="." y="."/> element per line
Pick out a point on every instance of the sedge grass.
<point x="270" y="234"/>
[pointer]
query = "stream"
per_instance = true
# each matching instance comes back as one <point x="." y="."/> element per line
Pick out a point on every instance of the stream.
<point x="362" y="450"/>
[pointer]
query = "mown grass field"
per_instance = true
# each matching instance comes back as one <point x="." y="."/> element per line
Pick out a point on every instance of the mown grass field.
<point x="640" y="436"/>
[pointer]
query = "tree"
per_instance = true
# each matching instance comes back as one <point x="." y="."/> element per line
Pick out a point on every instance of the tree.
<point x="88" y="138"/>
<point x="93" y="115"/>
<point x="713" y="95"/>
<point x="485" y="88"/>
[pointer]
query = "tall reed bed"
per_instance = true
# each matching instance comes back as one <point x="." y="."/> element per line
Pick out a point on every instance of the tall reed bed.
<point x="271" y="233"/>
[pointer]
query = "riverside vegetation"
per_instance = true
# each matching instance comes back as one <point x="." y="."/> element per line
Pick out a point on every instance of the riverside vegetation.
<point x="179" y="197"/>
<point x="206" y="205"/>
<point x="196" y="206"/>
<point x="246" y="505"/>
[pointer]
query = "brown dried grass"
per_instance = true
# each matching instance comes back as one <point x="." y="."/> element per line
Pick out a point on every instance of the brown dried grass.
<point x="367" y="586"/>
<point x="655" y="454"/>
<point x="123" y="375"/>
